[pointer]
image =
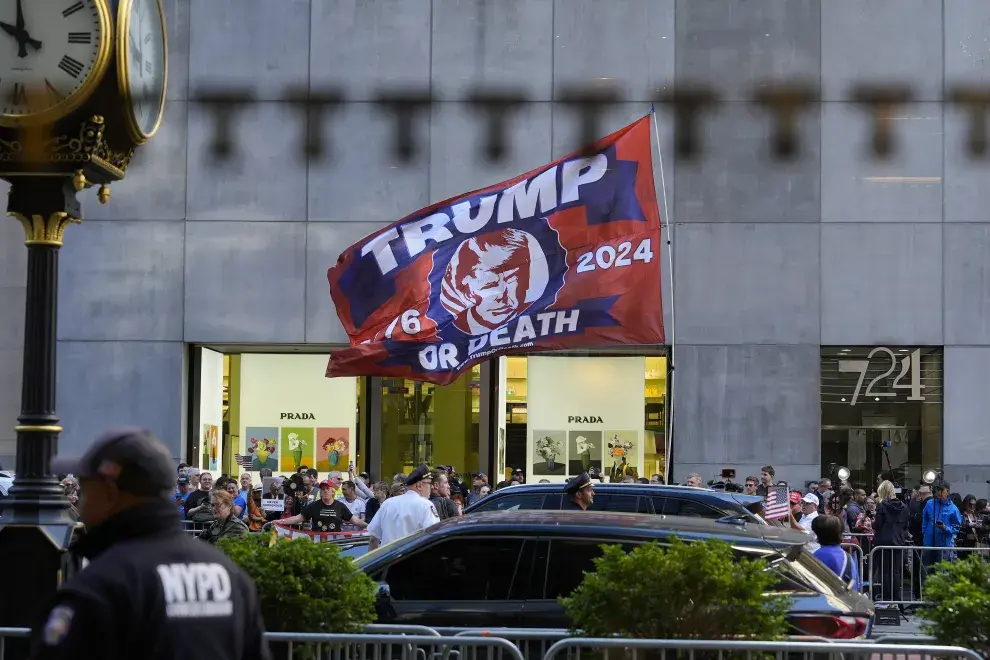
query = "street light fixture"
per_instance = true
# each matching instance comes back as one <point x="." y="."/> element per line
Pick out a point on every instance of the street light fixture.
<point x="842" y="473"/>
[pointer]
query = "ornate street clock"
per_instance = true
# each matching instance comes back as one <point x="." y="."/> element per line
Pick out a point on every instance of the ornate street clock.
<point x="82" y="85"/>
<point x="52" y="57"/>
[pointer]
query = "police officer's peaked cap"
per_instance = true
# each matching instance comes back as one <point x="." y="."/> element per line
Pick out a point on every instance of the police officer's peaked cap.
<point x="133" y="458"/>
<point x="417" y="475"/>
<point x="577" y="483"/>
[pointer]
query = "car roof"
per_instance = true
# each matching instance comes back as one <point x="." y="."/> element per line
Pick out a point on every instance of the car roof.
<point x="634" y="489"/>
<point x="627" y="525"/>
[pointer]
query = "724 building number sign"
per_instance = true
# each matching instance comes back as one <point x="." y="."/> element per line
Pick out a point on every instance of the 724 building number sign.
<point x="909" y="377"/>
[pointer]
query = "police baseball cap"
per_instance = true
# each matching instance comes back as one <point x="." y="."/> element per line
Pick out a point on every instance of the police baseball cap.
<point x="132" y="458"/>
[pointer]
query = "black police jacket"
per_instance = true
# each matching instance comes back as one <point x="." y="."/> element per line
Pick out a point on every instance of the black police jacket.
<point x="152" y="592"/>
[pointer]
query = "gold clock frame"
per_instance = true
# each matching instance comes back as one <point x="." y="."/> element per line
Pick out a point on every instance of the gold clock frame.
<point x="124" y="75"/>
<point x="74" y="100"/>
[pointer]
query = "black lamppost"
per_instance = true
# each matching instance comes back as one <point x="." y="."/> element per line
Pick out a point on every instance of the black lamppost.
<point x="65" y="125"/>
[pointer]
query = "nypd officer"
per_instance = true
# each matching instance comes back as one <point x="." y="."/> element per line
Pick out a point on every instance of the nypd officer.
<point x="407" y="513"/>
<point x="150" y="590"/>
<point x="580" y="493"/>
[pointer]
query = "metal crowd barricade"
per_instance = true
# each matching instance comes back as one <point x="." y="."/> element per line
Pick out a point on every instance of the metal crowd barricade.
<point x="898" y="573"/>
<point x="532" y="642"/>
<point x="856" y="554"/>
<point x="12" y="633"/>
<point x="194" y="528"/>
<point x="394" y="646"/>
<point x="690" y="649"/>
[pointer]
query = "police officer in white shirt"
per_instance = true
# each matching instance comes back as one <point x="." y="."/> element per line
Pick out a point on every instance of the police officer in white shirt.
<point x="407" y="513"/>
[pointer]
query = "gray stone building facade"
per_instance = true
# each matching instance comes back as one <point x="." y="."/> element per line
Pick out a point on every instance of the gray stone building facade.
<point x="773" y="261"/>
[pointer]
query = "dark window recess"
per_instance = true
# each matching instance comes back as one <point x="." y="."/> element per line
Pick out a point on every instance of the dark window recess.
<point x="568" y="562"/>
<point x="553" y="502"/>
<point x="619" y="503"/>
<point x="457" y="569"/>
<point x="678" y="507"/>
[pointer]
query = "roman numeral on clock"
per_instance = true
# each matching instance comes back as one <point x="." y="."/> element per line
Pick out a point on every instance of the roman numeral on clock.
<point x="53" y="94"/>
<point x="72" y="10"/>
<point x="19" y="94"/>
<point x="71" y="66"/>
<point x="148" y="67"/>
<point x="80" y="37"/>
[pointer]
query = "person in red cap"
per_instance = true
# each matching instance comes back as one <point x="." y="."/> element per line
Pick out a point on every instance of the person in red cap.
<point x="327" y="514"/>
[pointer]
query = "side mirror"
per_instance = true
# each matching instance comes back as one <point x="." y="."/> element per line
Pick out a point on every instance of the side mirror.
<point x="383" y="603"/>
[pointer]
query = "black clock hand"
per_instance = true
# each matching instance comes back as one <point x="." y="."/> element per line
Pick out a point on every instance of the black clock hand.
<point x="135" y="51"/>
<point x="18" y="32"/>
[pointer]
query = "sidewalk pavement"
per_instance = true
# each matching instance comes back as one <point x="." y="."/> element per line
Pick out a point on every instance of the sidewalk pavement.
<point x="910" y="627"/>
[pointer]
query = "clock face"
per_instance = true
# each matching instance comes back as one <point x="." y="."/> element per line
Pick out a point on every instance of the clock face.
<point x="144" y="56"/>
<point x="52" y="52"/>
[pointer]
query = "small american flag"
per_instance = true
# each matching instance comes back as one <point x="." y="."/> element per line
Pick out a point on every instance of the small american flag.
<point x="243" y="461"/>
<point x="777" y="504"/>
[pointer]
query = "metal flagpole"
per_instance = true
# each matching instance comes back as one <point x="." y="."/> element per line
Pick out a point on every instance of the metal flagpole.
<point x="669" y="425"/>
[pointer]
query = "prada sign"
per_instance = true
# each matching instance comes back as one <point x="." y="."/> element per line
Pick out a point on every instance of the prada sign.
<point x="591" y="419"/>
<point x="304" y="415"/>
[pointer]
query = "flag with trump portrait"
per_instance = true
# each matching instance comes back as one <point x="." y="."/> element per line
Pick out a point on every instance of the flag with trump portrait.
<point x="566" y="255"/>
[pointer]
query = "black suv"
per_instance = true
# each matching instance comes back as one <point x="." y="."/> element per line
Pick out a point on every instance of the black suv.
<point x="627" y="498"/>
<point x="509" y="569"/>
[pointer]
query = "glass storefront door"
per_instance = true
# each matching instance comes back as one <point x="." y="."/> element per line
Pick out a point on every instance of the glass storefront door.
<point x="881" y="412"/>
<point x="426" y="423"/>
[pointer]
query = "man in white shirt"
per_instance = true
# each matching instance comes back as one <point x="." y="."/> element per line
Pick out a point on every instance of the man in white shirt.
<point x="809" y="511"/>
<point x="350" y="499"/>
<point x="407" y="513"/>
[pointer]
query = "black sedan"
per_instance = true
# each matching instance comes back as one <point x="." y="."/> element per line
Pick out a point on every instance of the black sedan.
<point x="508" y="569"/>
<point x="628" y="498"/>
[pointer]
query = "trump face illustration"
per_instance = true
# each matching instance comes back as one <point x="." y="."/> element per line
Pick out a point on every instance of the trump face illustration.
<point x="493" y="278"/>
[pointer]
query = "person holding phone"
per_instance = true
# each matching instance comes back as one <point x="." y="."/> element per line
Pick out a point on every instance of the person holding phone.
<point x="940" y="523"/>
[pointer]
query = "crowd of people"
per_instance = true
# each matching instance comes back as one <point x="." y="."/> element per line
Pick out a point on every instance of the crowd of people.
<point x="342" y="502"/>
<point x="929" y="517"/>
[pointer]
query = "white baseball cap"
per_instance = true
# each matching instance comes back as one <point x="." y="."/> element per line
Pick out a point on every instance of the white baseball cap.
<point x="810" y="499"/>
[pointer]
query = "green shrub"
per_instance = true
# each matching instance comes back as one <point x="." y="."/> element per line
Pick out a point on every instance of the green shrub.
<point x="696" y="590"/>
<point x="959" y="613"/>
<point x="304" y="586"/>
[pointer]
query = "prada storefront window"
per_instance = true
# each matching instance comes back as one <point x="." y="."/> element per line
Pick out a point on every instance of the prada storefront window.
<point x="426" y="423"/>
<point x="881" y="412"/>
<point x="566" y="413"/>
<point x="274" y="410"/>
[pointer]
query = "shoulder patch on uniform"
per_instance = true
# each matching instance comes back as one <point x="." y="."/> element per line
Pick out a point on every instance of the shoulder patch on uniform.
<point x="58" y="624"/>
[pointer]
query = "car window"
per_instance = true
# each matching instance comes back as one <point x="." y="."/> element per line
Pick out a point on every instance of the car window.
<point x="567" y="563"/>
<point x="675" y="506"/>
<point x="622" y="503"/>
<point x="456" y="569"/>
<point x="513" y="502"/>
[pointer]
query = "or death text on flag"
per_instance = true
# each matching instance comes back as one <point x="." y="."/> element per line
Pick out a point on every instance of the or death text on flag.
<point x="777" y="503"/>
<point x="565" y="255"/>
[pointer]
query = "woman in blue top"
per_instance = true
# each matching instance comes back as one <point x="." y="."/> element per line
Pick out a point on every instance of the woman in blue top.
<point x="829" y="530"/>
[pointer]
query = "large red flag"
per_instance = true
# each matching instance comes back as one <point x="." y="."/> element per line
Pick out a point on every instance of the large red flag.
<point x="565" y="255"/>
